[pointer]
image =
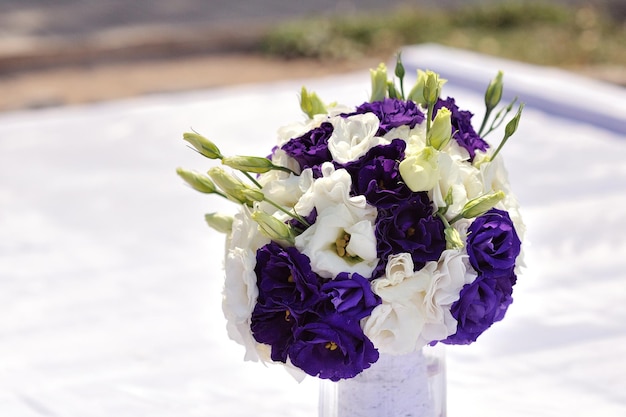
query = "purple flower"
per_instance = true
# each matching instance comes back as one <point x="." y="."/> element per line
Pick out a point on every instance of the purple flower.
<point x="465" y="135"/>
<point x="376" y="175"/>
<point x="351" y="296"/>
<point x="332" y="347"/>
<point x="492" y="243"/>
<point x="481" y="304"/>
<point x="287" y="290"/>
<point x="392" y="113"/>
<point x="274" y="327"/>
<point x="311" y="149"/>
<point x="409" y="227"/>
<point x="285" y="278"/>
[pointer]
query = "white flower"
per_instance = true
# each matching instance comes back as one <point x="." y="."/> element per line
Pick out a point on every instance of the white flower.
<point x="448" y="276"/>
<point x="245" y="232"/>
<point x="460" y="179"/>
<point x="353" y="136"/>
<point x="395" y="325"/>
<point x="416" y="139"/>
<point x="340" y="240"/>
<point x="338" y="216"/>
<point x="331" y="189"/>
<point x="284" y="188"/>
<point x="240" y="291"/>
<point x="415" y="307"/>
<point x="239" y="297"/>
<point x="295" y="130"/>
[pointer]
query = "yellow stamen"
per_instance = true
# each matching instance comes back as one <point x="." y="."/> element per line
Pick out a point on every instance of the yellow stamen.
<point x="331" y="346"/>
<point x="341" y="243"/>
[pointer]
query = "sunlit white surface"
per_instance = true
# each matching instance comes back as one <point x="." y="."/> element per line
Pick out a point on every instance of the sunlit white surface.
<point x="110" y="282"/>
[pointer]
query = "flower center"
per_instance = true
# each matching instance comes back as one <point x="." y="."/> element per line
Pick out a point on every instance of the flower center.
<point x="331" y="346"/>
<point x="341" y="243"/>
<point x="410" y="232"/>
<point x="287" y="315"/>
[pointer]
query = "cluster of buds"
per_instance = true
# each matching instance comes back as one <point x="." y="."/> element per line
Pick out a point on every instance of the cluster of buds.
<point x="224" y="184"/>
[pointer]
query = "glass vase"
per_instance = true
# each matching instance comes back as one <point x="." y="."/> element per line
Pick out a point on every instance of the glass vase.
<point x="412" y="385"/>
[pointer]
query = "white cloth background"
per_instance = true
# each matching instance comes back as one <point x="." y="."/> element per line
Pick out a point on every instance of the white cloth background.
<point x="110" y="281"/>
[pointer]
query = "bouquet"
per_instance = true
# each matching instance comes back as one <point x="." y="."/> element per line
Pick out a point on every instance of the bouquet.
<point x="380" y="228"/>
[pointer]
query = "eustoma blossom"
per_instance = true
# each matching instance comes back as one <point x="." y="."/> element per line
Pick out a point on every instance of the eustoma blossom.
<point x="378" y="228"/>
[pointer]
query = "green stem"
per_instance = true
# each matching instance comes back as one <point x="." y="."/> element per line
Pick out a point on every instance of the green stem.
<point x="429" y="121"/>
<point x="444" y="220"/>
<point x="290" y="214"/>
<point x="484" y="123"/>
<point x="251" y="178"/>
<point x="492" y="157"/>
<point x="284" y="169"/>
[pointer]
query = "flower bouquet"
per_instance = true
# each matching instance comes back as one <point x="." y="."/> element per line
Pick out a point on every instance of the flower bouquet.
<point x="370" y="230"/>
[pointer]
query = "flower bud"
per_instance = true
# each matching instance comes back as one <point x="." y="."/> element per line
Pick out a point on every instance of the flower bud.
<point x="509" y="130"/>
<point x="203" y="145"/>
<point x="417" y="92"/>
<point x="420" y="172"/>
<point x="254" y="164"/>
<point x="441" y="130"/>
<point x="432" y="87"/>
<point x="453" y="238"/>
<point x="271" y="227"/>
<point x="399" y="70"/>
<point x="197" y="181"/>
<point x="230" y="185"/>
<point x="392" y="91"/>
<point x="311" y="104"/>
<point x="480" y="205"/>
<point x="511" y="127"/>
<point x="494" y="92"/>
<point x="379" y="83"/>
<point x="252" y="194"/>
<point x="219" y="222"/>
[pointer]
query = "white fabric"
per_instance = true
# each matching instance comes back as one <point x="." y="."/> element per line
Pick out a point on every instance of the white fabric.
<point x="110" y="282"/>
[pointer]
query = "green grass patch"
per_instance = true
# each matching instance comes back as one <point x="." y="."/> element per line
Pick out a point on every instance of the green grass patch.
<point x="536" y="32"/>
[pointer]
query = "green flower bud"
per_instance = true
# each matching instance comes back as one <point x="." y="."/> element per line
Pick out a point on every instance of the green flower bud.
<point x="509" y="130"/>
<point x="453" y="238"/>
<point x="231" y="186"/>
<point x="203" y="145"/>
<point x="379" y="83"/>
<point x="253" y="194"/>
<point x="432" y="87"/>
<point x="197" y="181"/>
<point x="254" y="164"/>
<point x="441" y="130"/>
<point x="273" y="228"/>
<point x="392" y="91"/>
<point x="399" y="70"/>
<point x="311" y="104"/>
<point x="417" y="92"/>
<point x="511" y="127"/>
<point x="493" y="95"/>
<point x="219" y="222"/>
<point x="481" y="205"/>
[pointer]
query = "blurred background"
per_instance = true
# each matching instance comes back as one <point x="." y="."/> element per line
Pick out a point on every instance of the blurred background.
<point x="59" y="52"/>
